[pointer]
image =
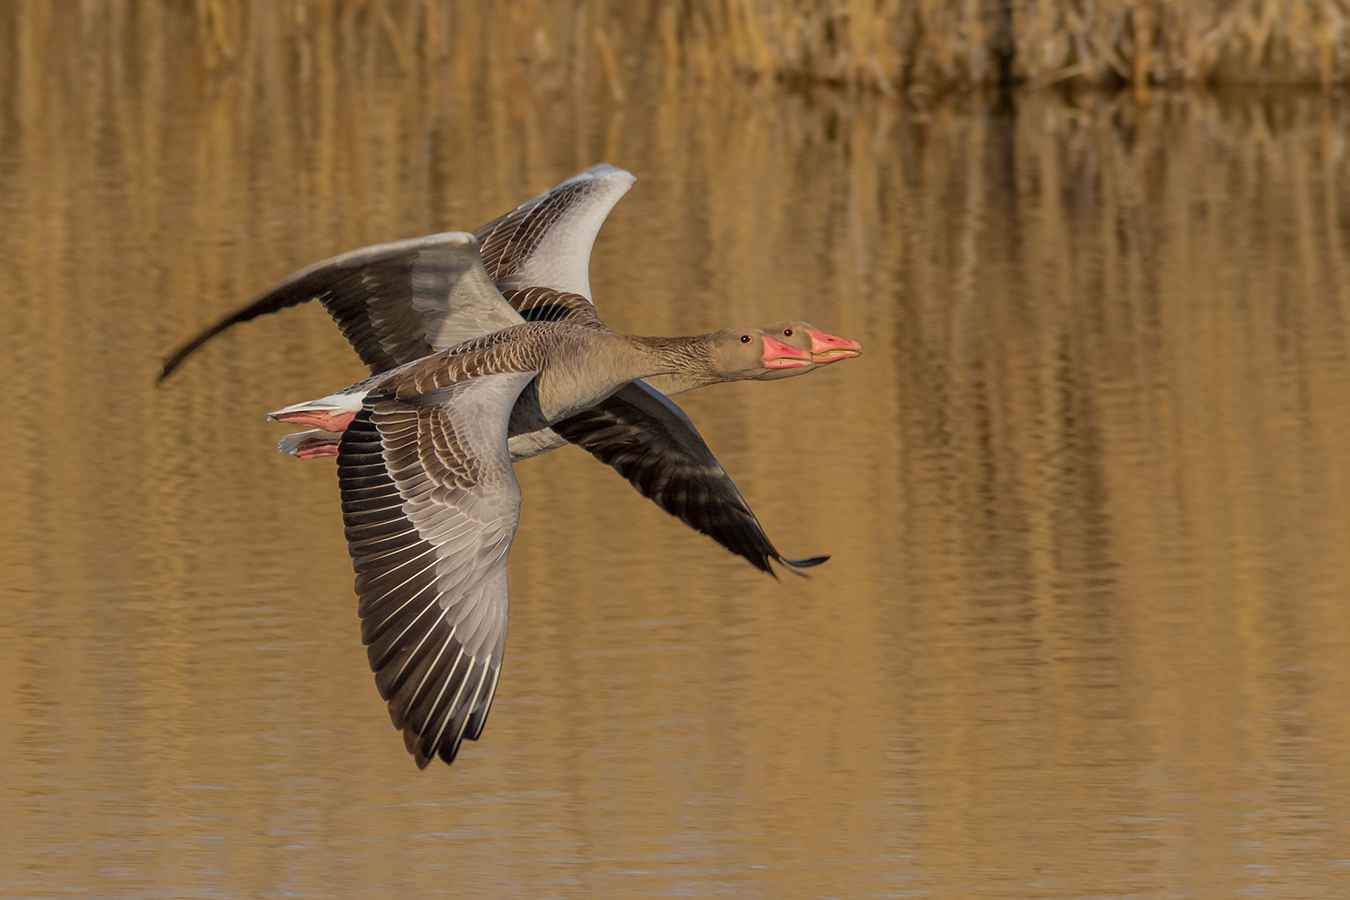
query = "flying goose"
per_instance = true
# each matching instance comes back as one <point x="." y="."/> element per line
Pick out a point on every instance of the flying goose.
<point x="323" y="441"/>
<point x="397" y="302"/>
<point x="429" y="495"/>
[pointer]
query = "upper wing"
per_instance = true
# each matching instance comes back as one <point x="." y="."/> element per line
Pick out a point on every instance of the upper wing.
<point x="431" y="503"/>
<point x="388" y="299"/>
<point x="546" y="241"/>
<point x="652" y="443"/>
<point x="394" y="302"/>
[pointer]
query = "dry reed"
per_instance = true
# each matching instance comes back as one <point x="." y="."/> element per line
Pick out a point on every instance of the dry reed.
<point x="917" y="45"/>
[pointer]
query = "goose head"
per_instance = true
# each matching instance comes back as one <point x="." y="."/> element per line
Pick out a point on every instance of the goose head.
<point x="745" y="354"/>
<point x="823" y="346"/>
<point x="775" y="351"/>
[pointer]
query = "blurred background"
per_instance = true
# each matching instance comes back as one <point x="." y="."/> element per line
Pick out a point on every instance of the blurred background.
<point x="1084" y="632"/>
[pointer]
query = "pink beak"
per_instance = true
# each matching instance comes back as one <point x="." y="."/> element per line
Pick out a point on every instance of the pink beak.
<point x="829" y="347"/>
<point x="317" y="418"/>
<point x="778" y="355"/>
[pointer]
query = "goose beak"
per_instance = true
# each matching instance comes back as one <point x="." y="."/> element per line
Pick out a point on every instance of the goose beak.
<point x="778" y="355"/>
<point x="826" y="348"/>
<point x="326" y="418"/>
<point x="316" y="448"/>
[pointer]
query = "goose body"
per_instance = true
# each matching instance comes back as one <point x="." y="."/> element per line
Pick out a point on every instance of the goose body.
<point x="578" y="366"/>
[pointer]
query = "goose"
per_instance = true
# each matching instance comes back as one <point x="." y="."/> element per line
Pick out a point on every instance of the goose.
<point x="395" y="304"/>
<point x="332" y="415"/>
<point x="430" y="501"/>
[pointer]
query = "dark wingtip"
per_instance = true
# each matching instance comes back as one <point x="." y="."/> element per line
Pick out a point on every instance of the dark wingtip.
<point x="794" y="564"/>
<point x="167" y="370"/>
<point x="412" y="742"/>
<point x="269" y="303"/>
<point x="173" y="362"/>
<point x="805" y="563"/>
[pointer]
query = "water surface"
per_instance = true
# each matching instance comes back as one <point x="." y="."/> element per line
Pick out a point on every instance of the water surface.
<point x="1084" y="632"/>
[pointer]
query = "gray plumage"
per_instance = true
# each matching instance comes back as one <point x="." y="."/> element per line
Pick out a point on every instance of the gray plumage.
<point x="430" y="503"/>
<point x="547" y="240"/>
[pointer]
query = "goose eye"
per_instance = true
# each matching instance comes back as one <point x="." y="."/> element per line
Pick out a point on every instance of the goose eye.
<point x="787" y="332"/>
<point x="745" y="339"/>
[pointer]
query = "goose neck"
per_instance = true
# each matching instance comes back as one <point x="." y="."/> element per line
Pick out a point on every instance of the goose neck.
<point x="677" y="359"/>
<point x="575" y="381"/>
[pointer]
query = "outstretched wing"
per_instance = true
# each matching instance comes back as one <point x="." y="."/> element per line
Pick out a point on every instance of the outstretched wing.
<point x="546" y="241"/>
<point x="430" y="503"/>
<point x="394" y="302"/>
<point x="651" y="442"/>
<point x="390" y="300"/>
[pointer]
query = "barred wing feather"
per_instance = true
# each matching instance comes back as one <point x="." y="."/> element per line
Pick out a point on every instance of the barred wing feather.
<point x="431" y="503"/>
<point x="547" y="240"/>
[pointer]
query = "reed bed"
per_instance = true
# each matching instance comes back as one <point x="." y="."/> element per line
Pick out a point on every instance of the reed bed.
<point x="889" y="45"/>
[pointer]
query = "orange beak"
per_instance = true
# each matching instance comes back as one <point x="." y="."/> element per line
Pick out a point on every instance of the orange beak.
<point x="338" y="420"/>
<point x="827" y="348"/>
<point x="778" y="355"/>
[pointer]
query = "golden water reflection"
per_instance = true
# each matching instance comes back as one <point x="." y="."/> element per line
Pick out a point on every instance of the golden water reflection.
<point x="1084" y="632"/>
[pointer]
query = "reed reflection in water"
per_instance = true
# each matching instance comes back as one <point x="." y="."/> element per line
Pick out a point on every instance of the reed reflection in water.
<point x="1084" y="632"/>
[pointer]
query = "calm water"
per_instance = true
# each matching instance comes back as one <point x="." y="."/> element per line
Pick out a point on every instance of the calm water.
<point x="1085" y="633"/>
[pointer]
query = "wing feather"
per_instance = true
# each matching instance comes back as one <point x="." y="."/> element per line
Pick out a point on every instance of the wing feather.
<point x="547" y="240"/>
<point x="651" y="442"/>
<point x="430" y="504"/>
<point x="398" y="302"/>
<point x="394" y="303"/>
<point x="545" y="304"/>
